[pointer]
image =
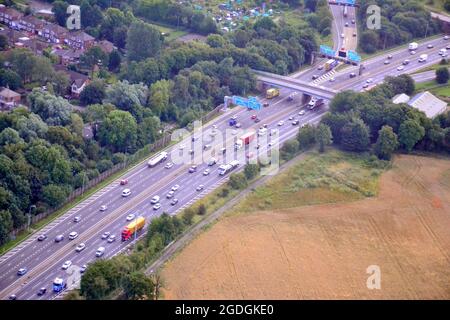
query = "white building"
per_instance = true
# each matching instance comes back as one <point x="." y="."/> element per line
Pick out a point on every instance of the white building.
<point x="429" y="104"/>
<point x="400" y="98"/>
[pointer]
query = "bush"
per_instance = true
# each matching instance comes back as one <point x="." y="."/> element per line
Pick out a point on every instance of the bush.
<point x="237" y="181"/>
<point x="224" y="193"/>
<point x="201" y="211"/>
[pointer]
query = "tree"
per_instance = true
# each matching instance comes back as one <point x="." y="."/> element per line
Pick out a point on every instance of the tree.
<point x="91" y="16"/>
<point x="3" y="42"/>
<point x="54" y="195"/>
<point x="138" y="286"/>
<point x="306" y="136"/>
<point x="386" y="143"/>
<point x="201" y="211"/>
<point x="137" y="49"/>
<point x="323" y="136"/>
<point x="9" y="78"/>
<point x="447" y="5"/>
<point x="59" y="8"/>
<point x="94" y="56"/>
<point x="311" y="5"/>
<point x="114" y="60"/>
<point x="93" y="93"/>
<point x="410" y="132"/>
<point x="6" y="225"/>
<point x="289" y="149"/>
<point x="355" y="135"/>
<point x="251" y="170"/>
<point x="60" y="82"/>
<point x="118" y="131"/>
<point x="442" y="75"/>
<point x="125" y="96"/>
<point x="237" y="181"/>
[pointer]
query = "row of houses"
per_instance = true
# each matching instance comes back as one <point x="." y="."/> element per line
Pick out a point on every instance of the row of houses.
<point x="48" y="32"/>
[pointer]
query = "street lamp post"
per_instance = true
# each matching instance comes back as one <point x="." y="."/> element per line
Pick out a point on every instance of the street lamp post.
<point x="29" y="216"/>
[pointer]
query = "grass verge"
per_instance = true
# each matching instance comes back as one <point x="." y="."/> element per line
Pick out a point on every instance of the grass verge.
<point x="331" y="177"/>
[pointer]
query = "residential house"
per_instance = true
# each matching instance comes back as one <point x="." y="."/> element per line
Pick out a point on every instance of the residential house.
<point x="67" y="56"/>
<point x="53" y="33"/>
<point x="10" y="17"/>
<point x="78" y="81"/>
<point x="8" y="99"/>
<point x="31" y="24"/>
<point x="79" y="40"/>
<point x="106" y="46"/>
<point x="428" y="103"/>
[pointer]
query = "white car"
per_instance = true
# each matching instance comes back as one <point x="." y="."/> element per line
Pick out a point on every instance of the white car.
<point x="175" y="187"/>
<point x="80" y="247"/>
<point x="126" y="192"/>
<point x="200" y="187"/>
<point x="370" y="80"/>
<point x="168" y="165"/>
<point x="105" y="235"/>
<point x="342" y="35"/>
<point x="206" y="172"/>
<point x="154" y="200"/>
<point x="234" y="132"/>
<point x="66" y="265"/>
<point x="157" y="206"/>
<point x="291" y="118"/>
<point x="302" y="112"/>
<point x="412" y="52"/>
<point x="77" y="219"/>
<point x="332" y="79"/>
<point x="103" y="208"/>
<point x="100" y="251"/>
<point x="400" y="68"/>
<point x="170" y="194"/>
<point x="234" y="117"/>
<point x="182" y="146"/>
<point x="111" y="238"/>
<point x="73" y="235"/>
<point x="280" y="123"/>
<point x="446" y="37"/>
<point x="130" y="217"/>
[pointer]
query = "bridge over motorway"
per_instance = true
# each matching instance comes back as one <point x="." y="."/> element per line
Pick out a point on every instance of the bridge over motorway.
<point x="270" y="79"/>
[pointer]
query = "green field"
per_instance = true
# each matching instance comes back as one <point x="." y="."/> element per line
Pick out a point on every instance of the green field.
<point x="321" y="178"/>
<point x="172" y="34"/>
<point x="443" y="91"/>
<point x="435" y="5"/>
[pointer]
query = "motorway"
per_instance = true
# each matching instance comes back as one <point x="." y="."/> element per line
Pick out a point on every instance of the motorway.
<point x="44" y="259"/>
<point x="348" y="42"/>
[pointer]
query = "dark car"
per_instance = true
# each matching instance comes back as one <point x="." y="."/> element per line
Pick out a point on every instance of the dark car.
<point x="266" y="104"/>
<point x="257" y="120"/>
<point x="42" y="237"/>
<point x="42" y="291"/>
<point x="59" y="238"/>
<point x="352" y="75"/>
<point x="314" y="77"/>
<point x="192" y="169"/>
<point x="12" y="297"/>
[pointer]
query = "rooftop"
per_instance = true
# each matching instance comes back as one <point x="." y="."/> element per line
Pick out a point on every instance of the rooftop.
<point x="428" y="103"/>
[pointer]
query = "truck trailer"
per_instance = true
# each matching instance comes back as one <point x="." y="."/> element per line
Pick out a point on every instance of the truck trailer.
<point x="225" y="168"/>
<point x="330" y="64"/>
<point x="245" y="139"/>
<point x="158" y="159"/>
<point x="132" y="228"/>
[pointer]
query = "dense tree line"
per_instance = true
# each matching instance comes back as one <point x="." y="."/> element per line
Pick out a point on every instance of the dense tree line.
<point x="370" y="121"/>
<point x="401" y="21"/>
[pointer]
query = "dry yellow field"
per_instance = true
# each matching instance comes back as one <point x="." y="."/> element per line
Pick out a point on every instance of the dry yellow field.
<point x="322" y="251"/>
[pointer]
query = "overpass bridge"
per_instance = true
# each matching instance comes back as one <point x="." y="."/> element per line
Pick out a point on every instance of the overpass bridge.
<point x="267" y="79"/>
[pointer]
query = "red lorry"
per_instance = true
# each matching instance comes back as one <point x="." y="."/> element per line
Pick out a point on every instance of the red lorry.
<point x="245" y="139"/>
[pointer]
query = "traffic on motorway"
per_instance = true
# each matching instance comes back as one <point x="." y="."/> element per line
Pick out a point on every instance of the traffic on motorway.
<point x="57" y="257"/>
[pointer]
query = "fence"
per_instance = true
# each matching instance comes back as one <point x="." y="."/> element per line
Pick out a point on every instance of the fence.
<point x="133" y="159"/>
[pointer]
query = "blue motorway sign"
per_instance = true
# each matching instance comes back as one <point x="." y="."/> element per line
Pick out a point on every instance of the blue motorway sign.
<point x="353" y="56"/>
<point x="346" y="2"/>
<point x="326" y="50"/>
<point x="251" y="102"/>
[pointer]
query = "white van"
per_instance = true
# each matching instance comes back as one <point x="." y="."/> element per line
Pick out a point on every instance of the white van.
<point x="262" y="131"/>
<point x="443" y="52"/>
<point x="100" y="251"/>
<point x="126" y="192"/>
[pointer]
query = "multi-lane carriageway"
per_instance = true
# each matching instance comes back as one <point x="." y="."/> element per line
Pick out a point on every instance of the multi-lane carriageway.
<point x="44" y="259"/>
